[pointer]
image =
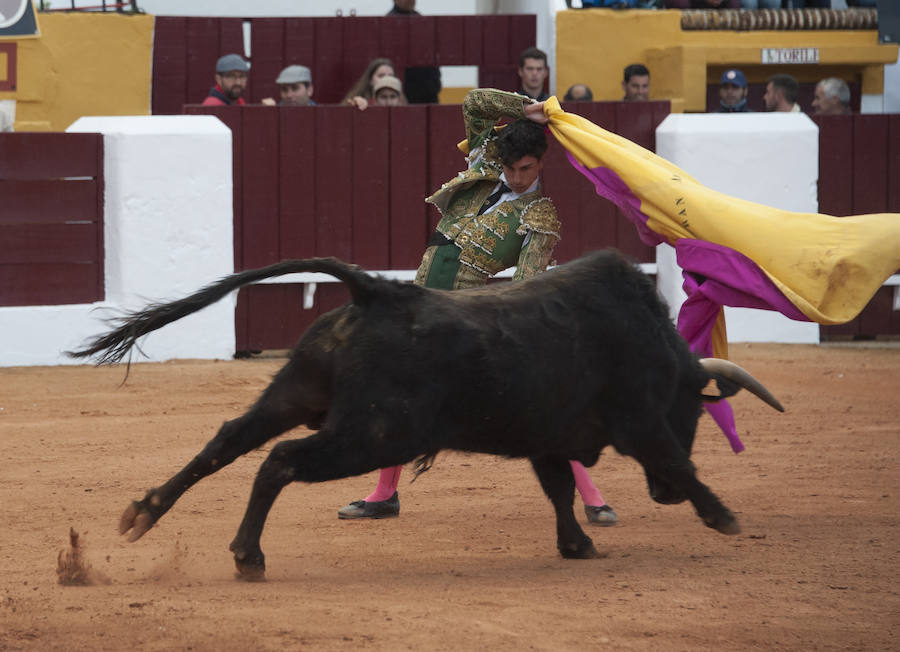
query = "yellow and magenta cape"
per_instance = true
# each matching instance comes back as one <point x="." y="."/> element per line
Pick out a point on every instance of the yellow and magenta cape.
<point x="734" y="252"/>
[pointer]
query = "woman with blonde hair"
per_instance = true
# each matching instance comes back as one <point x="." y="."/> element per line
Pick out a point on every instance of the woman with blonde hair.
<point x="362" y="92"/>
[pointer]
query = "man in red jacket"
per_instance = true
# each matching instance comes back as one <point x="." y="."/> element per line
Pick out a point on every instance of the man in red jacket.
<point x="231" y="81"/>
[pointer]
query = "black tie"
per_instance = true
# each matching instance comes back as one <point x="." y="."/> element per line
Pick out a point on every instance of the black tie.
<point x="493" y="198"/>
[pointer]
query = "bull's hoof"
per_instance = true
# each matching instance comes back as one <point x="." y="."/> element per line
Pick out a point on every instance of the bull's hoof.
<point x="584" y="551"/>
<point x="251" y="566"/>
<point x="726" y="523"/>
<point x="249" y="573"/>
<point x="136" y="520"/>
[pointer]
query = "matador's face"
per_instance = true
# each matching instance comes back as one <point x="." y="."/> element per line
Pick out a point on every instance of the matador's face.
<point x="521" y="174"/>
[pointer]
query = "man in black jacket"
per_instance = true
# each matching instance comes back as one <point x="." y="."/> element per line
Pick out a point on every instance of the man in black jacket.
<point x="733" y="92"/>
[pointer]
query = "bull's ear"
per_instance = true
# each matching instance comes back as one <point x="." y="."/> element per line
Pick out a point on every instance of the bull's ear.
<point x="718" y="388"/>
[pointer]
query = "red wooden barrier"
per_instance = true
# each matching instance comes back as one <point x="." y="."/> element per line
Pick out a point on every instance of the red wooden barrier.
<point x="859" y="172"/>
<point x="51" y="225"/>
<point x="336" y="50"/>
<point x="333" y="181"/>
<point x="408" y="186"/>
<point x="835" y="163"/>
<point x="893" y="166"/>
<point x="184" y="58"/>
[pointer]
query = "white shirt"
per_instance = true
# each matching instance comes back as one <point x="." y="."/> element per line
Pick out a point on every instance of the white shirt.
<point x="509" y="196"/>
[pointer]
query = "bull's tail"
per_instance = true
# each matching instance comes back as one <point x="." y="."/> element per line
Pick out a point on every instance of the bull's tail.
<point x="730" y="378"/>
<point x="115" y="344"/>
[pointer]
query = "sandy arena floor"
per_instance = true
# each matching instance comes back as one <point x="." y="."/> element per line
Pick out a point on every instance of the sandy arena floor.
<point x="471" y="563"/>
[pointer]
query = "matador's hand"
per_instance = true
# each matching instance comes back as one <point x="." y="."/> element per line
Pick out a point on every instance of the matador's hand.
<point x="535" y="113"/>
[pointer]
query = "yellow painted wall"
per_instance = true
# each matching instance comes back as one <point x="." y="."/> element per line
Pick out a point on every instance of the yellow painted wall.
<point x="82" y="64"/>
<point x="593" y="46"/>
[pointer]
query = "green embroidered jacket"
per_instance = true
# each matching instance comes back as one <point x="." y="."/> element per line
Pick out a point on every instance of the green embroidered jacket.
<point x="520" y="232"/>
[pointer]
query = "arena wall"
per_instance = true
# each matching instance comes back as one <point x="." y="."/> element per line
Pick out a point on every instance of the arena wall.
<point x="168" y="231"/>
<point x="100" y="64"/>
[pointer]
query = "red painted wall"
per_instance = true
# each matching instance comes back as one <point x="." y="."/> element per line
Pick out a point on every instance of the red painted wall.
<point x="51" y="225"/>
<point x="337" y="51"/>
<point x="334" y="181"/>
<point x="859" y="172"/>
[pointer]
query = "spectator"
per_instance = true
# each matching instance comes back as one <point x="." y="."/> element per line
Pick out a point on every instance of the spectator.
<point x="832" y="97"/>
<point x="494" y="216"/>
<point x="578" y="93"/>
<point x="423" y="83"/>
<point x="533" y="73"/>
<point x="295" y="84"/>
<point x="733" y="92"/>
<point x="609" y="4"/>
<point x="636" y="83"/>
<point x="362" y="92"/>
<point x="623" y="4"/>
<point x="760" y="4"/>
<point x="781" y="94"/>
<point x="388" y="92"/>
<point x="715" y="4"/>
<point x="704" y="4"/>
<point x="231" y="81"/>
<point x="808" y="4"/>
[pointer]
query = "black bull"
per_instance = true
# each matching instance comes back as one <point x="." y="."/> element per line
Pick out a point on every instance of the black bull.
<point x="553" y="369"/>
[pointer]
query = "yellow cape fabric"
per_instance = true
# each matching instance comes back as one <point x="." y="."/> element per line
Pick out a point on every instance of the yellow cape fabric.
<point x="829" y="267"/>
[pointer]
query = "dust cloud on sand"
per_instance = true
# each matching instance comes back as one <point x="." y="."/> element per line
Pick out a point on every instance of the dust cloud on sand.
<point x="72" y="566"/>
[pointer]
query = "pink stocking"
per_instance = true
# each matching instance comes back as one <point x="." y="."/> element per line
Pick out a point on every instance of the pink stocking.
<point x="590" y="495"/>
<point x="388" y="480"/>
<point x="723" y="415"/>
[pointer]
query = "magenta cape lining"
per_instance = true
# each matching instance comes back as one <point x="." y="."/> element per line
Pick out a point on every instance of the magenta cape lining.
<point x="714" y="276"/>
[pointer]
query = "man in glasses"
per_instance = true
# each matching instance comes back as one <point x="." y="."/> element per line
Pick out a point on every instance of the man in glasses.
<point x="231" y="82"/>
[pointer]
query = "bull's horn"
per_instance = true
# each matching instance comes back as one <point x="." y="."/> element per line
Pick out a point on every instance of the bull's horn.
<point x="742" y="377"/>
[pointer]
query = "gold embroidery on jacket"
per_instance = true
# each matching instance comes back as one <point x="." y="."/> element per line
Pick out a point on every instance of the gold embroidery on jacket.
<point x="540" y="216"/>
<point x="491" y="221"/>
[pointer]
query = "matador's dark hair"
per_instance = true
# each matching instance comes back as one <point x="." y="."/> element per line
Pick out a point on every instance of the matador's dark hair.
<point x="521" y="138"/>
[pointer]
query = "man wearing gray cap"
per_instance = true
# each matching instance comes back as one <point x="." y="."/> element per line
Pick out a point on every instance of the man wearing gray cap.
<point x="231" y="80"/>
<point x="295" y="84"/>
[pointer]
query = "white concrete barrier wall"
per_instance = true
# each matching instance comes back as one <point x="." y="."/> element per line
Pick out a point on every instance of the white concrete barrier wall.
<point x="769" y="158"/>
<point x="168" y="232"/>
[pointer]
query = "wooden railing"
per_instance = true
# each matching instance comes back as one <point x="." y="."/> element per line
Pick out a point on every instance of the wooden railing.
<point x="51" y="222"/>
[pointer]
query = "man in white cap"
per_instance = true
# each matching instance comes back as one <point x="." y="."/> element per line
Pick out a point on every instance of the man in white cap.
<point x="388" y="91"/>
<point x="231" y="81"/>
<point x="295" y="84"/>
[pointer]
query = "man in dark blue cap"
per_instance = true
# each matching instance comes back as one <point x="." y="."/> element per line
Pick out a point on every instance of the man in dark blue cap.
<point x="733" y="92"/>
<point x="231" y="81"/>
